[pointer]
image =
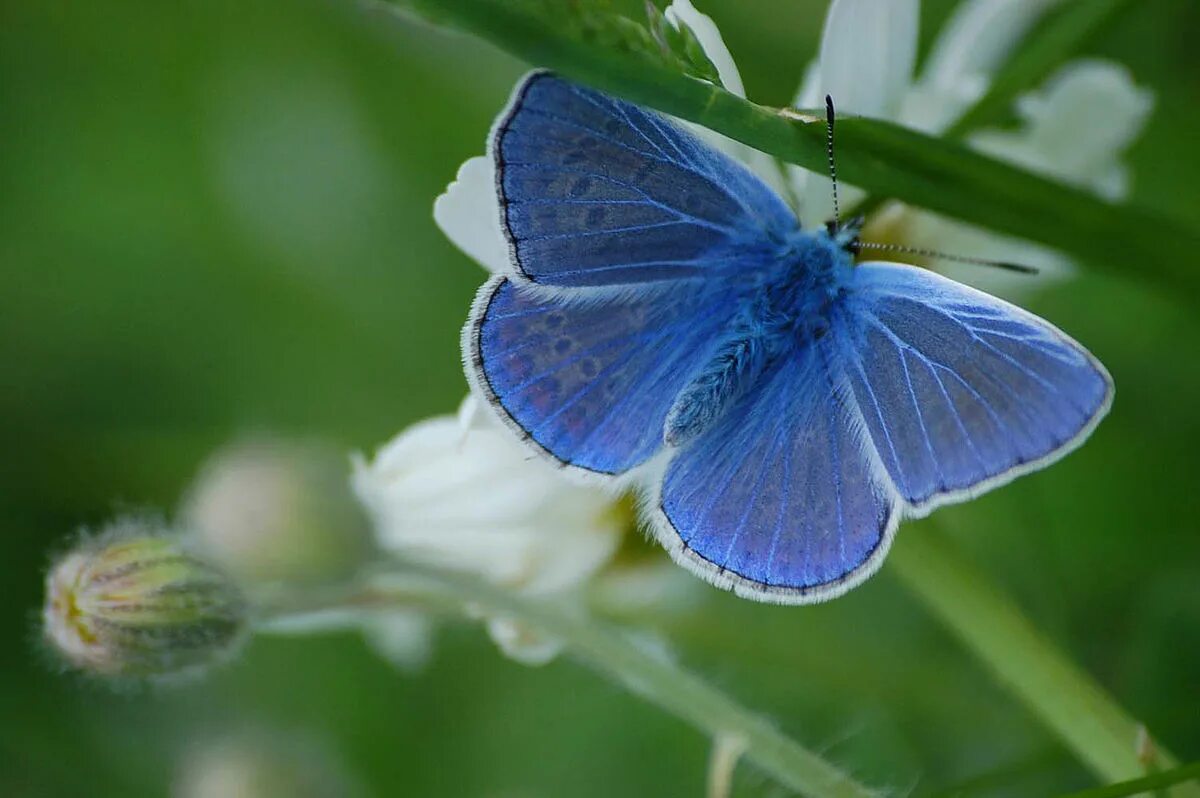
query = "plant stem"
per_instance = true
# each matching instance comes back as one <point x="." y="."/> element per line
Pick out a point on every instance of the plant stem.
<point x="1065" y="698"/>
<point x="653" y="677"/>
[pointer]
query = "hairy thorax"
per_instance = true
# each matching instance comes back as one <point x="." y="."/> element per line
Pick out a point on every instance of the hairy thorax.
<point x="782" y="306"/>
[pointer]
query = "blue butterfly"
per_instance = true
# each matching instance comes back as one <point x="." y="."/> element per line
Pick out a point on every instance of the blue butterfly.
<point x="667" y="317"/>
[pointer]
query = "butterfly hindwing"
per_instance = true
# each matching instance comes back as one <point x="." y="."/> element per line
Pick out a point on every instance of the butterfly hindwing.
<point x="595" y="191"/>
<point x="961" y="391"/>
<point x="782" y="500"/>
<point x="590" y="379"/>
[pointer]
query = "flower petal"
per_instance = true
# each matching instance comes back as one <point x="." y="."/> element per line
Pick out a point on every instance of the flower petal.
<point x="470" y="415"/>
<point x="977" y="37"/>
<point x="1085" y="116"/>
<point x="868" y="49"/>
<point x="523" y="643"/>
<point x="1076" y="126"/>
<point x="709" y="36"/>
<point x="469" y="214"/>
<point x="402" y="637"/>
<point x="926" y="230"/>
<point x="865" y="64"/>
<point x="481" y="504"/>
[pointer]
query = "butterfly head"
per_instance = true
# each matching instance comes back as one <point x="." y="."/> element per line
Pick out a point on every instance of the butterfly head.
<point x="845" y="234"/>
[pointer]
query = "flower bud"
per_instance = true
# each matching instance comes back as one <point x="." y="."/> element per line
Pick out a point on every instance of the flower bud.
<point x="277" y="510"/>
<point x="130" y="602"/>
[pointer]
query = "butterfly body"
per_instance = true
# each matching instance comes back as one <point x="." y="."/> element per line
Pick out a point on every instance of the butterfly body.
<point x="782" y="305"/>
<point x="668" y="322"/>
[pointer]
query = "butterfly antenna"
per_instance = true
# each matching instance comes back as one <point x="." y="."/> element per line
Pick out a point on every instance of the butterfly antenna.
<point x="931" y="253"/>
<point x="837" y="222"/>
<point x="927" y="253"/>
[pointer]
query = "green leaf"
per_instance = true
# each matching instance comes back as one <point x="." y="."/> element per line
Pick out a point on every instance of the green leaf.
<point x="1155" y="781"/>
<point x="681" y="46"/>
<point x="660" y="29"/>
<point x="880" y="157"/>
<point x="697" y="59"/>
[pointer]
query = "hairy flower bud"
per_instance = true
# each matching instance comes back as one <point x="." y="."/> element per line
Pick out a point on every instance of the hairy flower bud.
<point x="130" y="602"/>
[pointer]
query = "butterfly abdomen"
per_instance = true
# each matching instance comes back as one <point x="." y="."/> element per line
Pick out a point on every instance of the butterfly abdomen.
<point x="734" y="368"/>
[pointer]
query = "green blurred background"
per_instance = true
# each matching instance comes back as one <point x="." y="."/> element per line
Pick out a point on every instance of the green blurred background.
<point x="216" y="218"/>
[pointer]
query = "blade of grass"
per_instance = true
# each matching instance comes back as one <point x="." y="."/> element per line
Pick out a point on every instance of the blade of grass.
<point x="1155" y="781"/>
<point x="880" y="157"/>
<point x="1065" y="698"/>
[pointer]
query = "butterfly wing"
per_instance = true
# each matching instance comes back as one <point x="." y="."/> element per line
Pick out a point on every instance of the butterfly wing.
<point x="783" y="500"/>
<point x="960" y="391"/>
<point x="588" y="376"/>
<point x="598" y="192"/>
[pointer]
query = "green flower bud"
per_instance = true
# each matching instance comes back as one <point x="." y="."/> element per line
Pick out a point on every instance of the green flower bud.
<point x="130" y="602"/>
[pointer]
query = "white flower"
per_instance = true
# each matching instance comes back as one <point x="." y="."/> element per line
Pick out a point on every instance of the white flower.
<point x="1074" y="130"/>
<point x="461" y="493"/>
<point x="469" y="214"/>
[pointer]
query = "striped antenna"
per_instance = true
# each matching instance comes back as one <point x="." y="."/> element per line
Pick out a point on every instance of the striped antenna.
<point x="857" y="246"/>
<point x="931" y="253"/>
<point x="837" y="223"/>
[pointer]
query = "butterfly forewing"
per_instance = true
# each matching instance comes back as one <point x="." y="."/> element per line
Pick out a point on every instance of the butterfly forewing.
<point x="598" y="192"/>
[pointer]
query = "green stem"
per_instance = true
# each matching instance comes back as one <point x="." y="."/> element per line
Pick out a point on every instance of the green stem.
<point x="653" y="677"/>
<point x="1065" y="698"/>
